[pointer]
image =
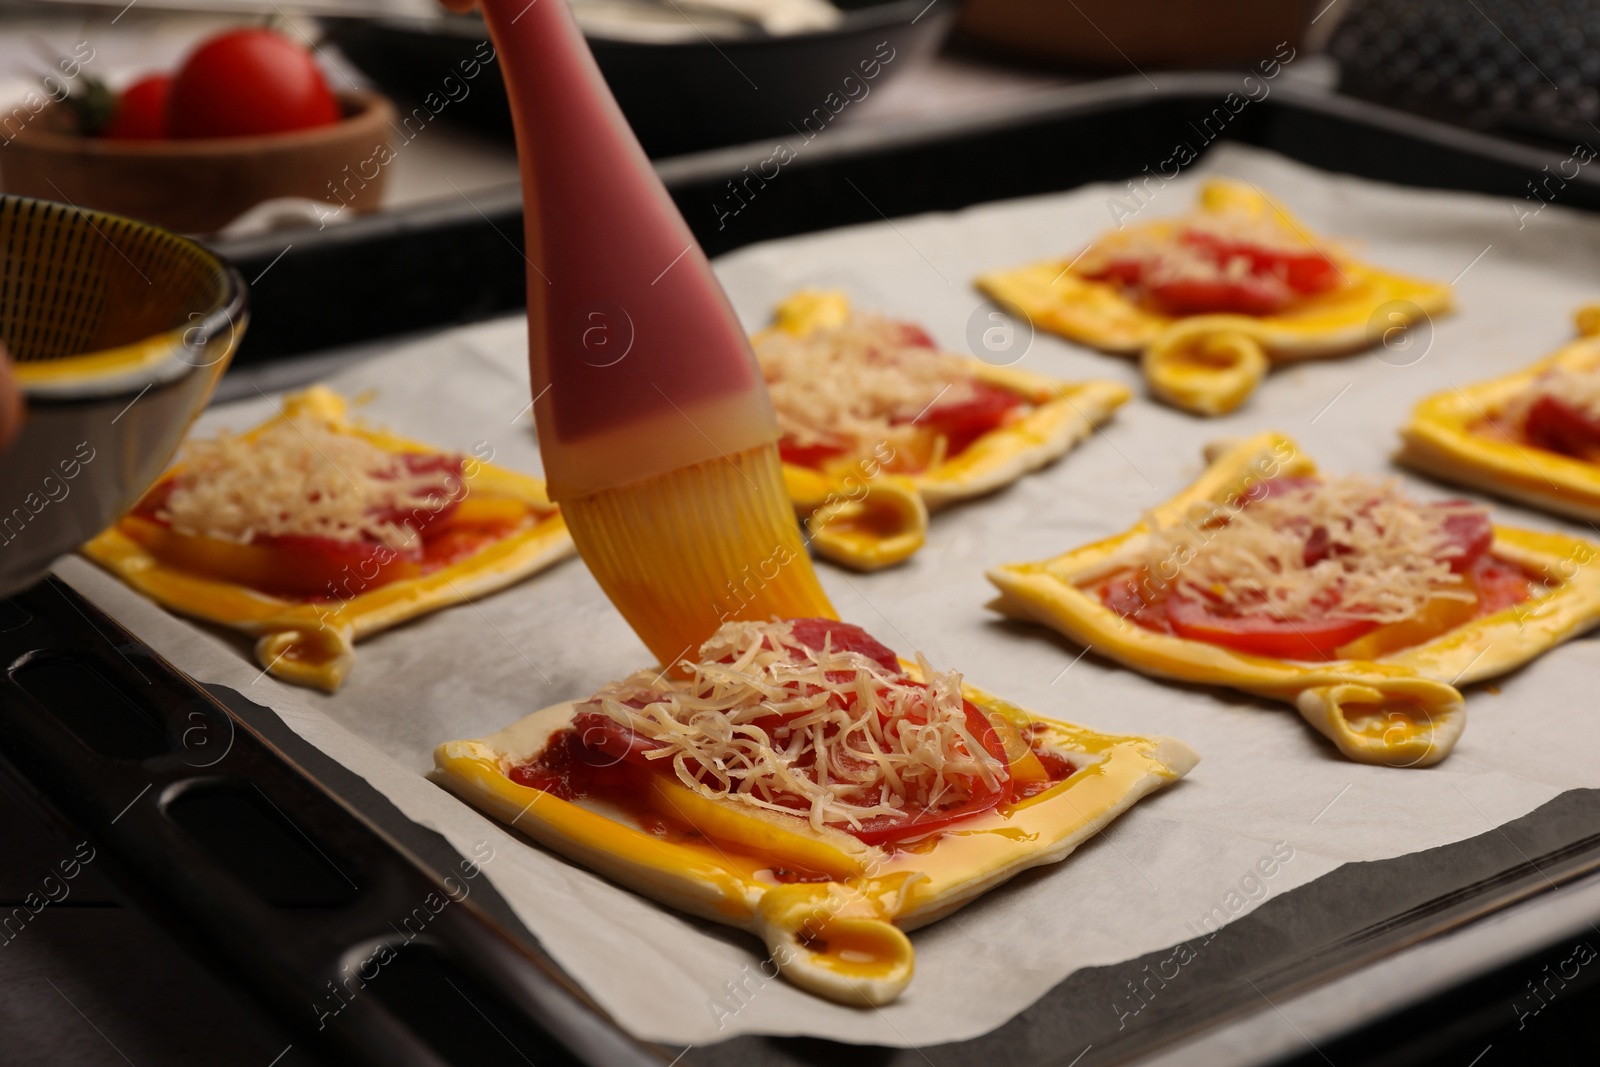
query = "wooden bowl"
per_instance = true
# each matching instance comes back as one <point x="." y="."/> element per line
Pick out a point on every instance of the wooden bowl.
<point x="201" y="185"/>
<point x="118" y="332"/>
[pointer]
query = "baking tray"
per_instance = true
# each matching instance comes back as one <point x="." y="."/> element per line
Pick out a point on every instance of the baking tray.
<point x="453" y="261"/>
<point x="282" y="870"/>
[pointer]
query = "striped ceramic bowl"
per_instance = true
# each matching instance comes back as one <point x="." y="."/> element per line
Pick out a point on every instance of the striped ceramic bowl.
<point x="118" y="332"/>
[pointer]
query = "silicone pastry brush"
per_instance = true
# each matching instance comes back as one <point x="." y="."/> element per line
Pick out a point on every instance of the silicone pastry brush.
<point x="658" y="437"/>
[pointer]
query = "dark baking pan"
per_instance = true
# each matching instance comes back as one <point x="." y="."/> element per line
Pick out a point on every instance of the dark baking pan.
<point x="452" y="261"/>
<point x="270" y="863"/>
<point x="679" y="97"/>
<point x="368" y="858"/>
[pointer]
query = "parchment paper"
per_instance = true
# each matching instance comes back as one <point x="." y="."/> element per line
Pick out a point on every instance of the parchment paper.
<point x="1163" y="873"/>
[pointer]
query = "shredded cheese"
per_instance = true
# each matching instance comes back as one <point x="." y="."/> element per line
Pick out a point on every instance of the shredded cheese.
<point x="855" y="740"/>
<point x="1385" y="556"/>
<point x="300" y="477"/>
<point x="857" y="384"/>
<point x="1185" y="262"/>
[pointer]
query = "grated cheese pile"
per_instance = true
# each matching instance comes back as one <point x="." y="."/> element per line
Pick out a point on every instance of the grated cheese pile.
<point x="901" y="749"/>
<point x="857" y="384"/>
<point x="1387" y="555"/>
<point x="299" y="477"/>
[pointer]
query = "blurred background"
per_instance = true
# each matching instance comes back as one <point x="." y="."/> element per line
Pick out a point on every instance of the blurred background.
<point x="424" y="116"/>
<point x="691" y="75"/>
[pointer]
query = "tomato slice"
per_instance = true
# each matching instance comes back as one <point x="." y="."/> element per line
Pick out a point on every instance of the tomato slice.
<point x="1247" y="295"/>
<point x="1557" y="426"/>
<point x="1499" y="584"/>
<point x="1286" y="483"/>
<point x="1123" y="594"/>
<point x="451" y="491"/>
<point x="1305" y="270"/>
<point x="964" y="421"/>
<point x="813" y="456"/>
<point x="846" y="637"/>
<point x="604" y="740"/>
<point x="1262" y="635"/>
<point x="1472" y="532"/>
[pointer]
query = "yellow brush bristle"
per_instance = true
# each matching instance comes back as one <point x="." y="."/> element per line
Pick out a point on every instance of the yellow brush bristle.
<point x="682" y="553"/>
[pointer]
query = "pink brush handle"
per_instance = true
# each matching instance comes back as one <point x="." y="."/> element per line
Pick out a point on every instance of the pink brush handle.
<point x="639" y="364"/>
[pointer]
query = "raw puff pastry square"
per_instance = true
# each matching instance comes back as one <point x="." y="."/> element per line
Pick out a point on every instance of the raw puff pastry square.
<point x="1209" y="364"/>
<point x="313" y="642"/>
<point x="844" y="938"/>
<point x="1402" y="709"/>
<point x="867" y="520"/>
<point x="1440" y="440"/>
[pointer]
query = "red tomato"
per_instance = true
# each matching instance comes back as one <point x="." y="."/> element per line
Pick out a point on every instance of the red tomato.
<point x="964" y="421"/>
<point x="141" y="113"/>
<point x="249" y="81"/>
<point x="1262" y="635"/>
<point x="1556" y="426"/>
